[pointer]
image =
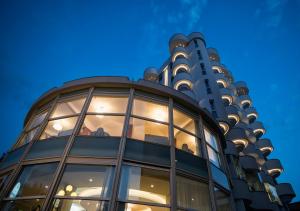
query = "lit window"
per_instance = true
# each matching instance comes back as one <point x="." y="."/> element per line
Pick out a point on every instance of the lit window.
<point x="67" y="108"/>
<point x="59" y="127"/>
<point x="183" y="121"/>
<point x="79" y="205"/>
<point x="105" y="104"/>
<point x="86" y="181"/>
<point x="146" y="185"/>
<point x="101" y="125"/>
<point x="192" y="194"/>
<point x="37" y="120"/>
<point x="140" y="207"/>
<point x="148" y="131"/>
<point x="34" y="180"/>
<point x="186" y="142"/>
<point x="28" y="204"/>
<point x="150" y="110"/>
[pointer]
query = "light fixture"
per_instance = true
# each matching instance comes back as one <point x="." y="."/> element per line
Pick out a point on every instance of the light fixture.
<point x="276" y="170"/>
<point x="152" y="186"/>
<point x="224" y="126"/>
<point x="259" y="130"/>
<point x="159" y="114"/>
<point x="243" y="142"/>
<point x="228" y="98"/>
<point x="90" y="180"/>
<point x="69" y="188"/>
<point x="252" y="115"/>
<point x="73" y="194"/>
<point x="234" y="116"/>
<point x="61" y="193"/>
<point x="57" y="126"/>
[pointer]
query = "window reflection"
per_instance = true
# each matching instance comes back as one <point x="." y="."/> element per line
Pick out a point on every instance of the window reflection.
<point x="20" y="205"/>
<point x="213" y="156"/>
<point x="101" y="125"/>
<point x="142" y="184"/>
<point x="212" y="147"/>
<point x="69" y="107"/>
<point x="210" y="138"/>
<point x="34" y="180"/>
<point x="59" y="127"/>
<point x="107" y="104"/>
<point x="86" y="181"/>
<point x="186" y="142"/>
<point x="183" y="121"/>
<point x="192" y="194"/>
<point x="79" y="205"/>
<point x="37" y="120"/>
<point x="148" y="131"/>
<point x="150" y="110"/>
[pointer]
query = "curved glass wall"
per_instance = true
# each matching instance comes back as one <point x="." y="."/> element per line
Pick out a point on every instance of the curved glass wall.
<point x="105" y="127"/>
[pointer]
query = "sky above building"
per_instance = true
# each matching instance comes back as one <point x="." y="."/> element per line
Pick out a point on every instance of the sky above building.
<point x="43" y="44"/>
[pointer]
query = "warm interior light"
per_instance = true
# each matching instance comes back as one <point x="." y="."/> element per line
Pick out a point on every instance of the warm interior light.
<point x="259" y="130"/>
<point x="178" y="54"/>
<point x="90" y="180"/>
<point x="220" y="81"/>
<point x="57" y="126"/>
<point x="266" y="149"/>
<point x="246" y="101"/>
<point x="69" y="188"/>
<point x="252" y="115"/>
<point x="152" y="186"/>
<point x="217" y="69"/>
<point x="159" y="114"/>
<point x="153" y="197"/>
<point x="61" y="193"/>
<point x="243" y="142"/>
<point x="73" y="194"/>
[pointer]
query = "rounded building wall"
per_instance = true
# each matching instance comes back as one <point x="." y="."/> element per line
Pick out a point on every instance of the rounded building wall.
<point x="107" y="143"/>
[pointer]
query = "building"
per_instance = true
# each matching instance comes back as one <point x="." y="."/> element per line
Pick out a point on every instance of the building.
<point x="183" y="138"/>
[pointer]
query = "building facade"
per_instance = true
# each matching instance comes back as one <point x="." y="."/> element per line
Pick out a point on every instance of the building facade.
<point x="183" y="138"/>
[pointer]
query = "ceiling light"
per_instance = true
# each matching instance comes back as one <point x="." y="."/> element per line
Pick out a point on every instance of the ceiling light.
<point x="57" y="126"/>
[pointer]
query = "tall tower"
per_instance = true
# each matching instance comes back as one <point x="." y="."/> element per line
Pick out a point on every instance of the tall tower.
<point x="197" y="71"/>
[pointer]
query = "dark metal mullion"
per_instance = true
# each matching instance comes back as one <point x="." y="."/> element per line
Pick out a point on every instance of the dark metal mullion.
<point x="149" y="119"/>
<point x="117" y="176"/>
<point x="105" y="114"/>
<point x="205" y="153"/>
<point x="18" y="168"/>
<point x="145" y="203"/>
<point x="173" y="190"/>
<point x="67" y="149"/>
<point x="64" y="117"/>
<point x="186" y="131"/>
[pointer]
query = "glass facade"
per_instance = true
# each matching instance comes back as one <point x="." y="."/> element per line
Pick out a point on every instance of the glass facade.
<point x="105" y="127"/>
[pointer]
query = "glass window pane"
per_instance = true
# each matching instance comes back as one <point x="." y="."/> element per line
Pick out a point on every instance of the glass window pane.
<point x="150" y="110"/>
<point x="184" y="121"/>
<point x="142" y="184"/>
<point x="100" y="125"/>
<point x="59" y="127"/>
<point x="213" y="156"/>
<point x="148" y="131"/>
<point x="20" y="205"/>
<point x="68" y="108"/>
<point x="186" y="142"/>
<point x="211" y="139"/>
<point x="86" y="181"/>
<point x="140" y="207"/>
<point x="34" y="180"/>
<point x="79" y="205"/>
<point x="105" y="104"/>
<point x="37" y="120"/>
<point x="192" y="194"/>
<point x="28" y="136"/>
<point x="222" y="200"/>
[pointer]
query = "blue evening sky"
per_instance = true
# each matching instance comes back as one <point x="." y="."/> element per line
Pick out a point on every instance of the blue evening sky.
<point x="45" y="43"/>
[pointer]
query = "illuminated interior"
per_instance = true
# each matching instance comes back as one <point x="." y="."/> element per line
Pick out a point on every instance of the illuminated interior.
<point x="184" y="121"/>
<point x="186" y="142"/>
<point x="68" y="108"/>
<point x="179" y="53"/>
<point x="181" y="66"/>
<point x="140" y="207"/>
<point x="105" y="104"/>
<point x="181" y="82"/>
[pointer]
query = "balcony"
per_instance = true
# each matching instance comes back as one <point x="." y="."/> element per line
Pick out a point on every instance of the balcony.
<point x="226" y="95"/>
<point x="180" y="65"/>
<point x="261" y="201"/>
<point x="285" y="192"/>
<point x="233" y="114"/>
<point x="241" y="190"/>
<point x="178" y="40"/>
<point x="245" y="101"/>
<point x="258" y="129"/>
<point x="213" y="54"/>
<point x="224" y="126"/>
<point x="221" y="80"/>
<point x="179" y="52"/>
<point x="251" y="114"/>
<point x="248" y="163"/>
<point x="241" y="88"/>
<point x="238" y="136"/>
<point x="273" y="167"/>
<point x="265" y="146"/>
<point x="231" y="149"/>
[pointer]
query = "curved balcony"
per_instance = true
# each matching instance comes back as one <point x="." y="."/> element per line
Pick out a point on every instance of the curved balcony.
<point x="273" y="167"/>
<point x="265" y="146"/>
<point x="252" y="151"/>
<point x="181" y="65"/>
<point x="248" y="163"/>
<point x="151" y="74"/>
<point x="182" y="76"/>
<point x="183" y="83"/>
<point x="241" y="88"/>
<point x="233" y="114"/>
<point x="261" y="201"/>
<point x="258" y="128"/>
<point x="238" y="136"/>
<point x="177" y="40"/>
<point x="245" y="101"/>
<point x="286" y="192"/>
<point x="231" y="149"/>
<point x="241" y="190"/>
<point x="213" y="54"/>
<point x="221" y="80"/>
<point x="226" y="95"/>
<point x="251" y="114"/>
<point x="224" y="126"/>
<point x="179" y="52"/>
